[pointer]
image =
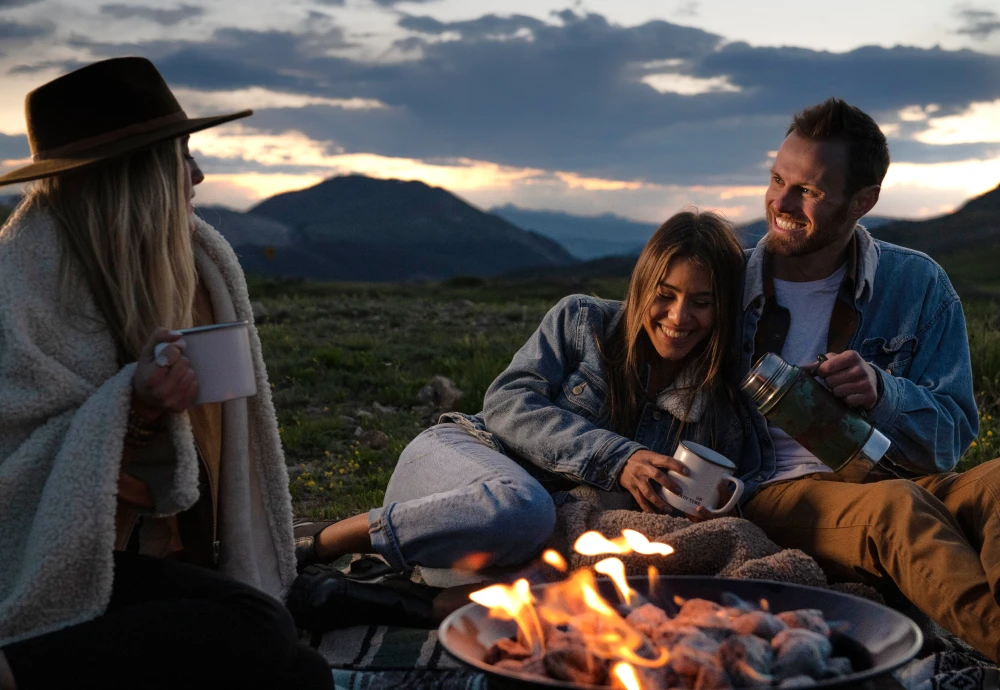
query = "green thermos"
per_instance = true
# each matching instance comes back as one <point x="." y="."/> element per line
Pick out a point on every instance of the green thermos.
<point x="802" y="407"/>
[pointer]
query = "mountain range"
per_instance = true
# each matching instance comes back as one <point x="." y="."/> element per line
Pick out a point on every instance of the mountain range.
<point x="357" y="228"/>
<point x="586" y="237"/>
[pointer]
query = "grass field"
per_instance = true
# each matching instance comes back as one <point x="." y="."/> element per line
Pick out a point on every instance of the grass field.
<point x="346" y="362"/>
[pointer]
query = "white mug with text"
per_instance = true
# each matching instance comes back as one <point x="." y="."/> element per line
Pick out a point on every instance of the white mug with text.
<point x="709" y="472"/>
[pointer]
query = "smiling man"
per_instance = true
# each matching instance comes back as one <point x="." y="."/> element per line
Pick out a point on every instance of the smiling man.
<point x="893" y="333"/>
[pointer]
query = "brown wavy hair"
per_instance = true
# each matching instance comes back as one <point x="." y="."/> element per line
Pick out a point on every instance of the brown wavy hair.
<point x="707" y="239"/>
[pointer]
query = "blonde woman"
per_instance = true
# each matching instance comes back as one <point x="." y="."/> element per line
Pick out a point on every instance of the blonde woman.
<point x="146" y="540"/>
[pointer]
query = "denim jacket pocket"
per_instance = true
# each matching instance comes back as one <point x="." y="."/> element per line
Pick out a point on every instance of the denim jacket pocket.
<point x="892" y="356"/>
<point x="584" y="393"/>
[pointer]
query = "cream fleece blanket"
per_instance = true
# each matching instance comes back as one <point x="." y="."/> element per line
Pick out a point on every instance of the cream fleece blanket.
<point x="726" y="547"/>
<point x="63" y="409"/>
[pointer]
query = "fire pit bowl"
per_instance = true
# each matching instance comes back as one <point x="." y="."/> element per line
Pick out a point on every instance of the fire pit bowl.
<point x="876" y="638"/>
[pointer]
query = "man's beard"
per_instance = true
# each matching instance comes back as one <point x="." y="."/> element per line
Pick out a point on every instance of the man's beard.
<point x="822" y="236"/>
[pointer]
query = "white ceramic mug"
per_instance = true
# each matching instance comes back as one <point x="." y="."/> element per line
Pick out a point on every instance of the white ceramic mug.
<point x="709" y="471"/>
<point x="221" y="360"/>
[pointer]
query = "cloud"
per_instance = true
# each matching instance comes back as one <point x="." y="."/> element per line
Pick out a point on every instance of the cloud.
<point x="158" y="16"/>
<point x="979" y="24"/>
<point x="653" y="103"/>
<point x="391" y="3"/>
<point x="15" y="30"/>
<point x="8" y="4"/>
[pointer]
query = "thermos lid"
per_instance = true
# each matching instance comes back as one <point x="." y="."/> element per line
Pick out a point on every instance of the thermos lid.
<point x="768" y="380"/>
<point x="876" y="446"/>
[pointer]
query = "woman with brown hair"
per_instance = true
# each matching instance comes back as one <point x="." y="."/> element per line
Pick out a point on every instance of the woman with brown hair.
<point x="601" y="394"/>
<point x="146" y="540"/>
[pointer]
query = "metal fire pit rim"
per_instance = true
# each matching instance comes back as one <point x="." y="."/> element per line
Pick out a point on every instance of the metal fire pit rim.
<point x="845" y="681"/>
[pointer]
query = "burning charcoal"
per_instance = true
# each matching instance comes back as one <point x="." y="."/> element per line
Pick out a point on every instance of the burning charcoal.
<point x="838" y="666"/>
<point x="759" y="623"/>
<point x="668" y="633"/>
<point x="730" y="600"/>
<point x="646" y="618"/>
<point x="797" y="682"/>
<point x="712" y="677"/>
<point x="747" y="660"/>
<point x="691" y="652"/>
<point x="800" y="652"/>
<point x="698" y="608"/>
<point x="810" y="619"/>
<point x="575" y="664"/>
<point x="534" y="665"/>
<point x="506" y="648"/>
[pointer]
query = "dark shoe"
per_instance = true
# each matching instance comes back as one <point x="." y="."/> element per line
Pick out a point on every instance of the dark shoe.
<point x="305" y="553"/>
<point x="323" y="598"/>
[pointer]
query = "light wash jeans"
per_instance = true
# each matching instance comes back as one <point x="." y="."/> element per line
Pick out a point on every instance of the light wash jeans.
<point x="454" y="495"/>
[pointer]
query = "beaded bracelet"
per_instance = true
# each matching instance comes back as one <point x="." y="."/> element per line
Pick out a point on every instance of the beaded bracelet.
<point x="140" y="431"/>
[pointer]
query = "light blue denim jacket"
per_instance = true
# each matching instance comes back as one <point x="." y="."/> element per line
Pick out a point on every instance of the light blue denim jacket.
<point x="910" y="325"/>
<point x="549" y="408"/>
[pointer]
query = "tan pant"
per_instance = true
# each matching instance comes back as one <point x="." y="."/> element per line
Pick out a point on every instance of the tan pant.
<point x="936" y="537"/>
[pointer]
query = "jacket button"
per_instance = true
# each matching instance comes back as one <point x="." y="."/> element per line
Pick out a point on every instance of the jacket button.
<point x="759" y="477"/>
<point x="657" y="415"/>
<point x="603" y="474"/>
<point x="578" y="389"/>
<point x="888" y="372"/>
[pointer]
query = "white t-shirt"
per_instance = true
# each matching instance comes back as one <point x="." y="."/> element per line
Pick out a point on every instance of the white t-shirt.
<point x="809" y="305"/>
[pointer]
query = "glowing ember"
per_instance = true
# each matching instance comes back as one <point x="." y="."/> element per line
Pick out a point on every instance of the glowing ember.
<point x="596" y="544"/>
<point x="638" y="542"/>
<point x="571" y="633"/>
<point x="555" y="559"/>
<point x="615" y="569"/>
<point x="626" y="674"/>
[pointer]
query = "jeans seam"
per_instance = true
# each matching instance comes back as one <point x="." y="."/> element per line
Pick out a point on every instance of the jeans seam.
<point x="383" y="527"/>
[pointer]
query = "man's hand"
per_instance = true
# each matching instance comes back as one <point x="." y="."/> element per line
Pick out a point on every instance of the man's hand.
<point x="849" y="378"/>
<point x="644" y="474"/>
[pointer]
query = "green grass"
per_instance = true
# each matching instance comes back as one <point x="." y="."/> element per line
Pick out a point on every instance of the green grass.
<point x="343" y="357"/>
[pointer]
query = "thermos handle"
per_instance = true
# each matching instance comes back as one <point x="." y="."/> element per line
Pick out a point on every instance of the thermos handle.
<point x="732" y="499"/>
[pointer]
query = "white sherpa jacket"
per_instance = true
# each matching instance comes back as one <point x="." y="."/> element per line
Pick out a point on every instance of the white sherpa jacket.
<point x="63" y="409"/>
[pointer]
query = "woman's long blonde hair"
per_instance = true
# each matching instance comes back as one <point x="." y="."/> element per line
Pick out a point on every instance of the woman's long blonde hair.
<point x="126" y="227"/>
<point x="707" y="239"/>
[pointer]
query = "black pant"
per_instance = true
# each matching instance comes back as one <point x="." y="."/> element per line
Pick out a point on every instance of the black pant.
<point x="174" y="625"/>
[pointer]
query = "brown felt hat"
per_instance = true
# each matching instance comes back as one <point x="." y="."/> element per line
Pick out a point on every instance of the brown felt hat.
<point x="101" y="111"/>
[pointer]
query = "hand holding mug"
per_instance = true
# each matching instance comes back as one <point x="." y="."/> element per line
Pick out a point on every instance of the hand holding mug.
<point x="163" y="380"/>
<point x="701" y="491"/>
<point x="645" y="474"/>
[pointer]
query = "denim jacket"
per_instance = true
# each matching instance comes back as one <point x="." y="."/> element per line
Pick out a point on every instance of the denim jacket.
<point x="908" y="322"/>
<point x="550" y="409"/>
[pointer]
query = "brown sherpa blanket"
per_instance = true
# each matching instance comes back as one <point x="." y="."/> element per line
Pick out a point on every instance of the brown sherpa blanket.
<point x="727" y="547"/>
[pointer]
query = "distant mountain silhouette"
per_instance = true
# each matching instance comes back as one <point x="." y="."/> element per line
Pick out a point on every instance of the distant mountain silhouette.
<point x="966" y="243"/>
<point x="976" y="223"/>
<point x="586" y="237"/>
<point x="366" y="229"/>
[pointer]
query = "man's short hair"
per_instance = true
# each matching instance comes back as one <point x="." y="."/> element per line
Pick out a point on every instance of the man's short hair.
<point x="837" y="120"/>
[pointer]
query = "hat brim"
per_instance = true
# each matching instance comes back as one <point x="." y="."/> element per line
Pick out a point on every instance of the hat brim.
<point x="120" y="147"/>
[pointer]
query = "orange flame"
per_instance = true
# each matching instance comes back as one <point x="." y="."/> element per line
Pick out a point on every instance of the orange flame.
<point x="555" y="559"/>
<point x="638" y="543"/>
<point x="626" y="674"/>
<point x="615" y="569"/>
<point x="513" y="603"/>
<point x="596" y="544"/>
<point x="576" y="603"/>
